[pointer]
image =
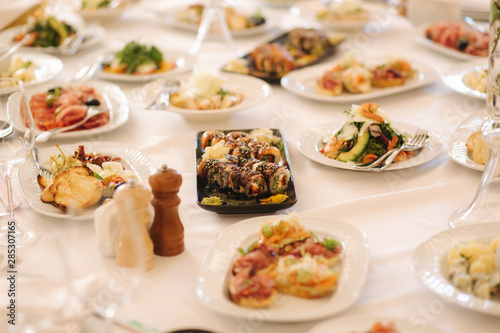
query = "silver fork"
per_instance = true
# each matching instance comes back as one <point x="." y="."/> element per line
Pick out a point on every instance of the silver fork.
<point x="418" y="141"/>
<point x="161" y="102"/>
<point x="44" y="172"/>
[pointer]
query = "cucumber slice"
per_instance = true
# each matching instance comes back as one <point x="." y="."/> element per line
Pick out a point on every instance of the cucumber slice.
<point x="358" y="149"/>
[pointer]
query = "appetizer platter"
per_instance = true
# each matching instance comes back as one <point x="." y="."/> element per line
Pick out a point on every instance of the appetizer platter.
<point x="468" y="79"/>
<point x="363" y="137"/>
<point x="207" y="95"/>
<point x="295" y="49"/>
<point x="56" y="105"/>
<point x="345" y="245"/>
<point x="457" y="265"/>
<point x="243" y="171"/>
<point x="139" y="62"/>
<point x="373" y="324"/>
<point x="33" y="68"/>
<point x="88" y="188"/>
<point x="240" y="21"/>
<point x="454" y="39"/>
<point x="457" y="148"/>
<point x="351" y="79"/>
<point x="344" y="15"/>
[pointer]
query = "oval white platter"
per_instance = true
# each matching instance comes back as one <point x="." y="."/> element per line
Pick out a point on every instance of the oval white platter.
<point x="311" y="142"/>
<point x="115" y="99"/>
<point x="132" y="159"/>
<point x="183" y="60"/>
<point x="457" y="149"/>
<point x="255" y="92"/>
<point x="455" y="77"/>
<point x="302" y="82"/>
<point x="429" y="265"/>
<point x="213" y="278"/>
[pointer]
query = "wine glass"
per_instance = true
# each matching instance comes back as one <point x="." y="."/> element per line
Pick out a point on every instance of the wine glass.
<point x="17" y="139"/>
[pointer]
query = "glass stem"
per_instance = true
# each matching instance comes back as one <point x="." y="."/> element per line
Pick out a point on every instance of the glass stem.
<point x="8" y="182"/>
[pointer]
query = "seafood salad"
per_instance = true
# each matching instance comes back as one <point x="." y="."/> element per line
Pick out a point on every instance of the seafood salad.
<point x="64" y="106"/>
<point x="470" y="267"/>
<point x="355" y="77"/>
<point x="138" y="59"/>
<point x="457" y="36"/>
<point x="205" y="91"/>
<point x="365" y="136"/>
<point x="46" y="31"/>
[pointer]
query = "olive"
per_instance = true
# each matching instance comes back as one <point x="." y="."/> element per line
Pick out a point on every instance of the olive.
<point x="93" y="102"/>
<point x="55" y="91"/>
<point x="462" y="43"/>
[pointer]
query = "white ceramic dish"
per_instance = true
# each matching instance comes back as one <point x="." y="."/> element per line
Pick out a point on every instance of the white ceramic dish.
<point x="312" y="140"/>
<point x="183" y="60"/>
<point x="455" y="78"/>
<point x="46" y="66"/>
<point x="308" y="10"/>
<point x="115" y="99"/>
<point x="429" y="265"/>
<point x="276" y="3"/>
<point x="365" y="323"/>
<point x="213" y="279"/>
<point x="93" y="34"/>
<point x="457" y="149"/>
<point x="255" y="92"/>
<point x="168" y="16"/>
<point x="132" y="160"/>
<point x="421" y="39"/>
<point x="302" y="82"/>
<point x="105" y="15"/>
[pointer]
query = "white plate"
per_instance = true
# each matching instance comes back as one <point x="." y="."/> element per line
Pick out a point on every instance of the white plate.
<point x="132" y="160"/>
<point x="365" y="323"/>
<point x="429" y="265"/>
<point x="457" y="149"/>
<point x="308" y="10"/>
<point x="168" y="16"/>
<point x="421" y="39"/>
<point x="115" y="99"/>
<point x="255" y="92"/>
<point x="105" y="15"/>
<point x="455" y="77"/>
<point x="312" y="140"/>
<point x="46" y="66"/>
<point x="302" y="82"/>
<point x="93" y="35"/>
<point x="215" y="271"/>
<point x="183" y="60"/>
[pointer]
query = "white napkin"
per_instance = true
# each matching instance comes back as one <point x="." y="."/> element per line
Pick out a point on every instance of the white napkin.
<point x="11" y="10"/>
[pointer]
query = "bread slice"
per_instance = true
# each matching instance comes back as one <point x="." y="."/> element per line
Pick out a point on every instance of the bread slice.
<point x="479" y="148"/>
<point x="474" y="140"/>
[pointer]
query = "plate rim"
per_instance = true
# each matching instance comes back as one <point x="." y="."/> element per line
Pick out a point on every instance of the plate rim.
<point x="290" y="82"/>
<point x="30" y="170"/>
<point x="224" y="257"/>
<point x="431" y="269"/>
<point x="321" y="159"/>
<point x="453" y="78"/>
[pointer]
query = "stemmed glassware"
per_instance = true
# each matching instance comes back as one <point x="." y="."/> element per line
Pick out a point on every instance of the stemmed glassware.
<point x="17" y="139"/>
<point x="485" y="207"/>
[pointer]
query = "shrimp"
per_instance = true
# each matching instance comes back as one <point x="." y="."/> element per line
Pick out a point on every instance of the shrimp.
<point x="332" y="147"/>
<point x="368" y="110"/>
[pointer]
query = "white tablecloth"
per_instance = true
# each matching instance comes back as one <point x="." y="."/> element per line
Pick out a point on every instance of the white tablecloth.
<point x="397" y="210"/>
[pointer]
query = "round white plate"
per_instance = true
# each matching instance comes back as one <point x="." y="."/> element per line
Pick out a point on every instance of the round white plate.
<point x="308" y="10"/>
<point x="216" y="270"/>
<point x="168" y="16"/>
<point x="105" y="15"/>
<point x="183" y="60"/>
<point x="455" y="77"/>
<point x="429" y="265"/>
<point x="311" y="142"/>
<point x="132" y="160"/>
<point x="276" y="3"/>
<point x="93" y="34"/>
<point x="365" y="323"/>
<point x="457" y="149"/>
<point x="421" y="39"/>
<point x="115" y="99"/>
<point x="302" y="82"/>
<point x="255" y="92"/>
<point x="46" y="66"/>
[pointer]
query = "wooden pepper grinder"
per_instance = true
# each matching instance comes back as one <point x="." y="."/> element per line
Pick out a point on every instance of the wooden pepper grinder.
<point x="133" y="246"/>
<point x="166" y="231"/>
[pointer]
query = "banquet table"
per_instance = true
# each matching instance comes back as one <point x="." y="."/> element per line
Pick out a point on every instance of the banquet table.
<point x="397" y="210"/>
